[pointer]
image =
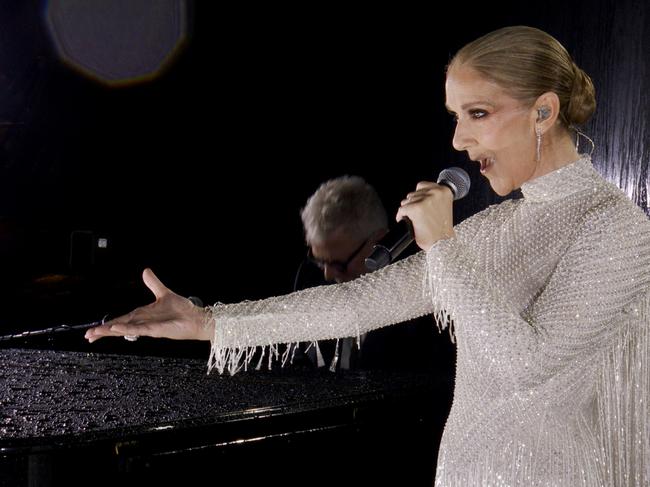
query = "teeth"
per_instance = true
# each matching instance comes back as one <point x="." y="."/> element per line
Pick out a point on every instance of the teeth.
<point x="486" y="163"/>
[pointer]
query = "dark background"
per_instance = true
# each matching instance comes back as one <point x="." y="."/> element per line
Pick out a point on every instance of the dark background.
<point x="200" y="173"/>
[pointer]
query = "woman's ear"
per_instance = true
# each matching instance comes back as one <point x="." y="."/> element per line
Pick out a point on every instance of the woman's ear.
<point x="547" y="110"/>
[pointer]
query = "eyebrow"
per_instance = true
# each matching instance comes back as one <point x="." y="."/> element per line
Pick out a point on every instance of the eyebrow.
<point x="466" y="105"/>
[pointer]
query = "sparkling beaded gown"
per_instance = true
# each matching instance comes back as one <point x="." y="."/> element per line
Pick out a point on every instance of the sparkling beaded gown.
<point x="548" y="299"/>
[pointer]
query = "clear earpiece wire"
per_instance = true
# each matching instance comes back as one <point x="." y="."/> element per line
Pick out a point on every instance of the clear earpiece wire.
<point x="578" y="135"/>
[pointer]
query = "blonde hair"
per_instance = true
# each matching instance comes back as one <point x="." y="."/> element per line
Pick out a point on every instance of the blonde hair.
<point x="348" y="203"/>
<point x="529" y="62"/>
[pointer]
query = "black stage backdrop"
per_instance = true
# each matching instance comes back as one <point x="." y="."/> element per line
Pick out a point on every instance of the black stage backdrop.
<point x="201" y="172"/>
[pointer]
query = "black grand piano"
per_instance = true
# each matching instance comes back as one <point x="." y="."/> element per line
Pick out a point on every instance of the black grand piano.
<point x="74" y="418"/>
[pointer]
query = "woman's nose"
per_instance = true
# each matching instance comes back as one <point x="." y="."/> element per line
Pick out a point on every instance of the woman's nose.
<point x="462" y="138"/>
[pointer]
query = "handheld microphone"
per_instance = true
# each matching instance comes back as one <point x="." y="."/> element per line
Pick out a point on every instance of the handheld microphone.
<point x="387" y="250"/>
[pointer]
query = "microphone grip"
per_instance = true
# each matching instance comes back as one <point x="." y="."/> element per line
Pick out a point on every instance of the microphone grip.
<point x="449" y="185"/>
<point x="389" y="248"/>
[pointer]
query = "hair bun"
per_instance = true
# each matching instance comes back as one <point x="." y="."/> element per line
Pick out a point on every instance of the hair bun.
<point x="582" y="102"/>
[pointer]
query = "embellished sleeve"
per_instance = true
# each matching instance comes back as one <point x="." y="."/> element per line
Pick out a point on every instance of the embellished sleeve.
<point x="390" y="295"/>
<point x="588" y="325"/>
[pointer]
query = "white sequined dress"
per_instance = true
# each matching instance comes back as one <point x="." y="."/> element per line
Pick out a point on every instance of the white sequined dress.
<point x="548" y="297"/>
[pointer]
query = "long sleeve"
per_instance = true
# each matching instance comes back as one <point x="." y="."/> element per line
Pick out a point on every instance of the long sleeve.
<point x="390" y="295"/>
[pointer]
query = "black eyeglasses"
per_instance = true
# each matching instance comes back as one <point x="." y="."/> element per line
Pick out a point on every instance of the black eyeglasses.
<point x="338" y="265"/>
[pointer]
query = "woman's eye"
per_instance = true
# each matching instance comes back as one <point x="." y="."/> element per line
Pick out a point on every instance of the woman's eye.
<point x="476" y="114"/>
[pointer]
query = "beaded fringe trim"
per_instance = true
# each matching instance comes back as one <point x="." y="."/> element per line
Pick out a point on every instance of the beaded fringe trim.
<point x="623" y="407"/>
<point x="225" y="357"/>
<point x="233" y="360"/>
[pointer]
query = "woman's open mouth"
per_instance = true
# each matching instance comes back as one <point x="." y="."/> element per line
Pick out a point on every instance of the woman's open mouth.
<point x="486" y="164"/>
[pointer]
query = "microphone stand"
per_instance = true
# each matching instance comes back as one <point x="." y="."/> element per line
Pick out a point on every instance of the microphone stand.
<point x="51" y="330"/>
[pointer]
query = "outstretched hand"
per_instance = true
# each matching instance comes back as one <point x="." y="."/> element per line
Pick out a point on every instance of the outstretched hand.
<point x="169" y="316"/>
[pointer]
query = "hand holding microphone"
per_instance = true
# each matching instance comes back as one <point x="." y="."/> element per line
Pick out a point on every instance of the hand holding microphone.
<point x="425" y="215"/>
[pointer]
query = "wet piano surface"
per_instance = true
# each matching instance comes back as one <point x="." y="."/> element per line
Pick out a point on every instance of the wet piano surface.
<point x="73" y="418"/>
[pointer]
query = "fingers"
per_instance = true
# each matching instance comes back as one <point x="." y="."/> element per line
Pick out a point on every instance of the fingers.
<point x="425" y="185"/>
<point x="424" y="189"/>
<point x="97" y="332"/>
<point x="154" y="284"/>
<point x="126" y="325"/>
<point x="108" y="328"/>
<point x="94" y="334"/>
<point x="140" y="330"/>
<point x="430" y="210"/>
<point x="406" y="208"/>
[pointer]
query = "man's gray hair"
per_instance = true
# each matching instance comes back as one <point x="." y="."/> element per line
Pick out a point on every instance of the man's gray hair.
<point x="346" y="202"/>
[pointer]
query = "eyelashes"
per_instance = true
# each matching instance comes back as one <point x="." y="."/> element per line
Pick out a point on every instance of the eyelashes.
<point x="475" y="114"/>
<point x="478" y="114"/>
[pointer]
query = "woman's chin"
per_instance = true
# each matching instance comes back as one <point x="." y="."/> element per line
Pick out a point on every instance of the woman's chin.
<point x="499" y="188"/>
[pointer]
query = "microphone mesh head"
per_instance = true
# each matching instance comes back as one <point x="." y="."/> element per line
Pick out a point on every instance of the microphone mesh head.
<point x="457" y="180"/>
